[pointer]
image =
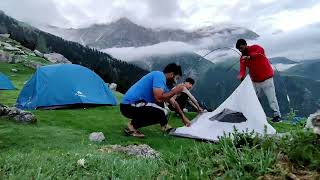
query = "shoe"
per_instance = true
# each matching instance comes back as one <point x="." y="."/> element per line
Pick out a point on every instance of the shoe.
<point x="276" y="119"/>
<point x="133" y="133"/>
<point x="166" y="128"/>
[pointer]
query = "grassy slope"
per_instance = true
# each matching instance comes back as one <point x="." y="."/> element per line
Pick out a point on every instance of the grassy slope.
<point x="52" y="147"/>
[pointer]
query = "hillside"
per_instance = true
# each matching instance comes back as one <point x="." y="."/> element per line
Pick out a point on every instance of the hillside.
<point x="309" y="69"/>
<point x="110" y="69"/>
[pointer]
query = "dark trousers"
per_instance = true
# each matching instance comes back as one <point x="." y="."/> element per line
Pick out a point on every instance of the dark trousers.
<point x="144" y="115"/>
<point x="182" y="100"/>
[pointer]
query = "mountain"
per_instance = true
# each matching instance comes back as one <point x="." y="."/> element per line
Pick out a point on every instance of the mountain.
<point x="109" y="68"/>
<point x="125" y="33"/>
<point x="308" y="68"/>
<point x="282" y="60"/>
<point x="215" y="82"/>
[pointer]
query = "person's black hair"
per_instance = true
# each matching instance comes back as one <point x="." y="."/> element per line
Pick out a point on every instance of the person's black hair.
<point x="173" y="67"/>
<point x="190" y="80"/>
<point x="240" y="42"/>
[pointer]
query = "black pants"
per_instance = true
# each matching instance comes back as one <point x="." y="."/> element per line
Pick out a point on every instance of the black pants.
<point x="144" y="115"/>
<point x="182" y="100"/>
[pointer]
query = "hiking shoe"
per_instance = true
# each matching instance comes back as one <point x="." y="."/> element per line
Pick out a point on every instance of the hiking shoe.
<point x="136" y="133"/>
<point x="276" y="119"/>
<point x="166" y="128"/>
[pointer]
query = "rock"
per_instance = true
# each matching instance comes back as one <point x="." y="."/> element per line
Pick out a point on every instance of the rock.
<point x="142" y="150"/>
<point x="81" y="162"/>
<point x="57" y="58"/>
<point x="113" y="86"/>
<point x="5" y="56"/>
<point x="20" y="52"/>
<point x="17" y="114"/>
<point x="10" y="48"/>
<point x="32" y="54"/>
<point x="38" y="53"/>
<point x="32" y="64"/>
<point x="14" y="70"/>
<point x="313" y="122"/>
<point x="96" y="137"/>
<point x="5" y="35"/>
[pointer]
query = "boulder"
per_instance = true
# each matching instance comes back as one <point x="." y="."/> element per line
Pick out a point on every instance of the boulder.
<point x="5" y="35"/>
<point x="313" y="122"/>
<point x="5" y="56"/>
<point x="14" y="70"/>
<point x="10" y="48"/>
<point x="38" y="53"/>
<point x="96" y="137"/>
<point x="113" y="86"/>
<point x="57" y="58"/>
<point x="18" y="115"/>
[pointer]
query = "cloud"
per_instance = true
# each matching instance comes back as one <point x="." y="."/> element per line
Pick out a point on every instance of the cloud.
<point x="34" y="11"/>
<point x="132" y="53"/>
<point x="300" y="44"/>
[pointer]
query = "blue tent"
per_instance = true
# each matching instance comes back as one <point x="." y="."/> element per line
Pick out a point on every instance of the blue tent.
<point x="5" y="83"/>
<point x="62" y="85"/>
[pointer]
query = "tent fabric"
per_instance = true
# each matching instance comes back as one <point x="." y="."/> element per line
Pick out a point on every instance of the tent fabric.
<point x="5" y="83"/>
<point x="242" y="102"/>
<point x="230" y="116"/>
<point x="64" y="84"/>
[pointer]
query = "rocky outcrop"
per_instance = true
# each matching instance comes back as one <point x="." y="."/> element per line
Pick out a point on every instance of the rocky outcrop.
<point x="142" y="150"/>
<point x="57" y="58"/>
<point x="17" y="115"/>
<point x="5" y="35"/>
<point x="38" y="53"/>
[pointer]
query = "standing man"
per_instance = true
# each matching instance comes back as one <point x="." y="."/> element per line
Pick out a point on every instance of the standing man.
<point x="179" y="101"/>
<point x="144" y="100"/>
<point x="261" y="73"/>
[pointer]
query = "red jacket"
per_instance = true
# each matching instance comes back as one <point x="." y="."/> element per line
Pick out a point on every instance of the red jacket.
<point x="259" y="66"/>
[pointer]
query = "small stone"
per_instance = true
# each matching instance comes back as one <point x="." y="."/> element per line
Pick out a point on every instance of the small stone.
<point x="81" y="162"/>
<point x="14" y="70"/>
<point x="96" y="137"/>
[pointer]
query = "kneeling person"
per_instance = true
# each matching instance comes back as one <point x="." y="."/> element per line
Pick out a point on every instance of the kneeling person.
<point x="142" y="102"/>
<point x="179" y="101"/>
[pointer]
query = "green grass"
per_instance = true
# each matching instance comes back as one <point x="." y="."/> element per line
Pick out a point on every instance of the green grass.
<point x="50" y="149"/>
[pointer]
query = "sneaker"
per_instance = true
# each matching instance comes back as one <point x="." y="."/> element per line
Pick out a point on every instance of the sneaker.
<point x="166" y="128"/>
<point x="276" y="119"/>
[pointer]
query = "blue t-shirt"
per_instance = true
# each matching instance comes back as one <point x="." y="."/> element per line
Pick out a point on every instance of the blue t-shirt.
<point x="143" y="89"/>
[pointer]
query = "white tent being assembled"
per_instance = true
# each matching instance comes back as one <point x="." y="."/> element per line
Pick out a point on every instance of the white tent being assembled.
<point x="242" y="111"/>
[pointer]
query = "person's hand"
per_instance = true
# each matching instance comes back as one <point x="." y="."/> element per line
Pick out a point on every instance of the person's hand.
<point x="200" y="110"/>
<point x="246" y="57"/>
<point x="186" y="121"/>
<point x="240" y="78"/>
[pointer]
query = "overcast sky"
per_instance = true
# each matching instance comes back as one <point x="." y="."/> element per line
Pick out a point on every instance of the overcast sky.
<point x="285" y="20"/>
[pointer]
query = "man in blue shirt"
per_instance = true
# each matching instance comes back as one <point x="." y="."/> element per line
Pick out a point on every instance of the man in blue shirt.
<point x="143" y="102"/>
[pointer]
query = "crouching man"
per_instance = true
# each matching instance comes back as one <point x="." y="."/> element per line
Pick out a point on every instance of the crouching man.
<point x="143" y="102"/>
<point x="179" y="101"/>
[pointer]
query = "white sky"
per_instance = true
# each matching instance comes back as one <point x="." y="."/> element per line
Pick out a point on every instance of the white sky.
<point x="285" y="18"/>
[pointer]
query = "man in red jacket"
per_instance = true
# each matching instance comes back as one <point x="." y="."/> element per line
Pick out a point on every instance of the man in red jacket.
<point x="261" y="73"/>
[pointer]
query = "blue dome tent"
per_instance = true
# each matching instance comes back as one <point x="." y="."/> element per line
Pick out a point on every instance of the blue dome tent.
<point x="62" y="85"/>
<point x="5" y="83"/>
